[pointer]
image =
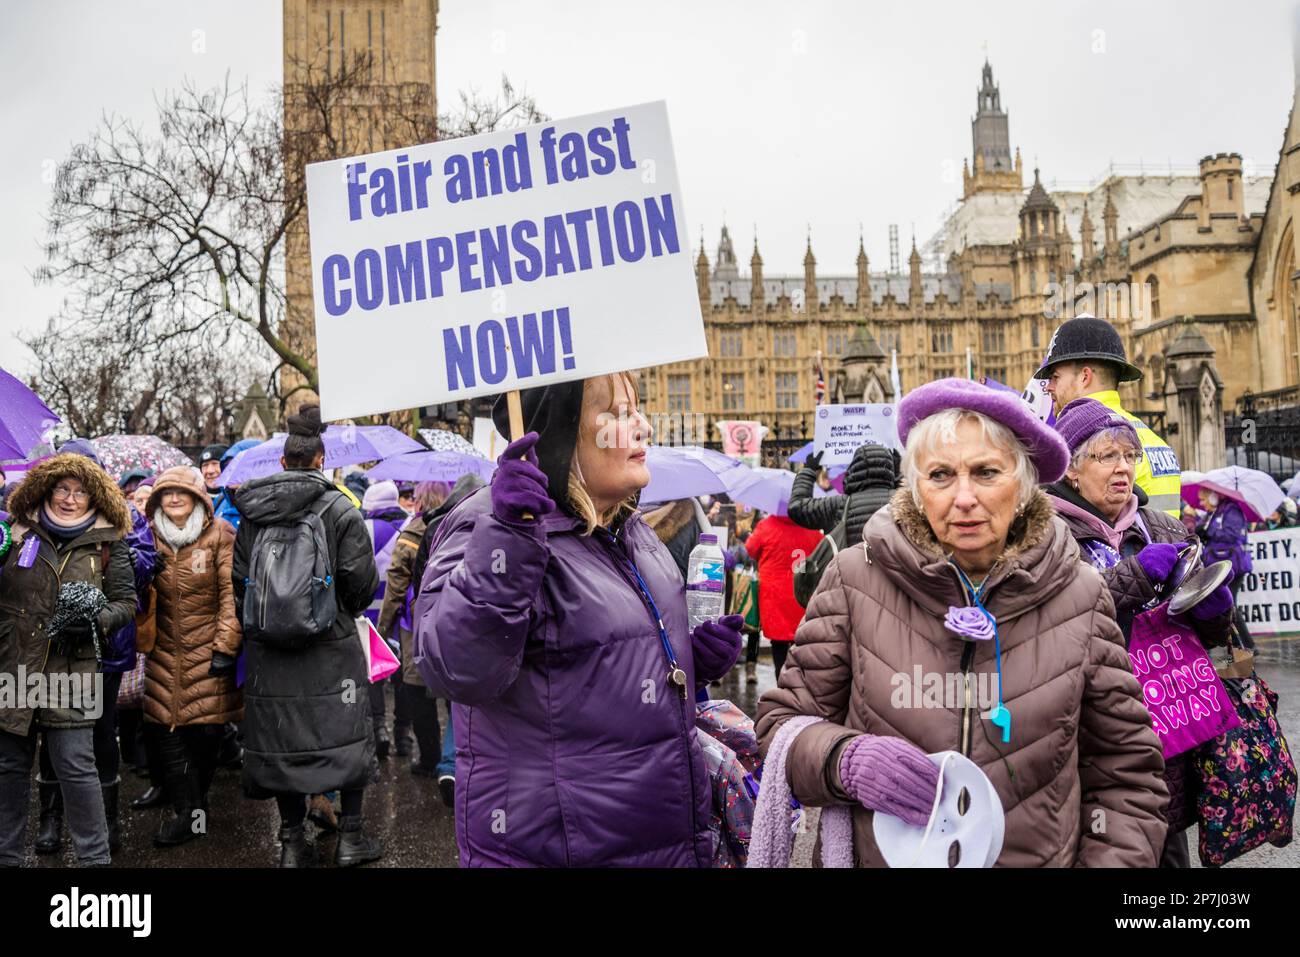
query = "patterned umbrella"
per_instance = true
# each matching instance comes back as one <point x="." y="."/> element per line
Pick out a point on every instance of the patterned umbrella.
<point x="121" y="453"/>
<point x="443" y="440"/>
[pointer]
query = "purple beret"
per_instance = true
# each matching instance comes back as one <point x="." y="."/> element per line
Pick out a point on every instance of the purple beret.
<point x="1045" y="447"/>
<point x="1083" y="418"/>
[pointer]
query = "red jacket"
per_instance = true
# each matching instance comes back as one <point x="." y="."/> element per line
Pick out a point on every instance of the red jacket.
<point x="776" y="544"/>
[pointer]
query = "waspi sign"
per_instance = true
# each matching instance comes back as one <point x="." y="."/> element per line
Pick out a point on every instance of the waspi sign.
<point x="501" y="261"/>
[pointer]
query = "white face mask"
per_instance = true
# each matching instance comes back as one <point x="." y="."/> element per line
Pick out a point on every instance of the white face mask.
<point x="978" y="833"/>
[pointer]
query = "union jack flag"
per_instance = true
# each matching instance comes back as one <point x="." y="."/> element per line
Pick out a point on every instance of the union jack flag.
<point x="821" y="381"/>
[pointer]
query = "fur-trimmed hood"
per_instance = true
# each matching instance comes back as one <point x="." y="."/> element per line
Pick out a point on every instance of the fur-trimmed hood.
<point x="1040" y="558"/>
<point x="105" y="497"/>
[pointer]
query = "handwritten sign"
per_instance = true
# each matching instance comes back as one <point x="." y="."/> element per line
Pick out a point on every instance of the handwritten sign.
<point x="841" y="429"/>
<point x="1270" y="593"/>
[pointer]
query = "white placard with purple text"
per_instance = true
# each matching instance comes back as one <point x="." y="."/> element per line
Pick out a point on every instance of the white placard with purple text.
<point x="840" y="429"/>
<point x="506" y="260"/>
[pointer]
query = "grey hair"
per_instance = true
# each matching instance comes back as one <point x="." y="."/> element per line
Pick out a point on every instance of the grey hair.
<point x="1122" y="435"/>
<point x="941" y="428"/>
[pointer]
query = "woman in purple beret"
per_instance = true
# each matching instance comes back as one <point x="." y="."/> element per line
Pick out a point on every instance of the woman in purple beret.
<point x="966" y="622"/>
<point x="1135" y="547"/>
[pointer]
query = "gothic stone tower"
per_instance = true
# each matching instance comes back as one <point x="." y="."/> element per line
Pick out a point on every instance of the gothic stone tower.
<point x="322" y="39"/>
<point x="995" y="171"/>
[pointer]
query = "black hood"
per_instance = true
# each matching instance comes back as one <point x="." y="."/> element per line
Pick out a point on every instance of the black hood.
<point x="873" y="466"/>
<point x="553" y="412"/>
<point x="281" y="496"/>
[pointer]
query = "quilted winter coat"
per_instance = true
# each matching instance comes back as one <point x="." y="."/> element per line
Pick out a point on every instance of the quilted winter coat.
<point x="28" y="596"/>
<point x="572" y="749"/>
<point x="1080" y="780"/>
<point x="195" y="616"/>
<point x="1131" y="590"/>
<point x="869" y="484"/>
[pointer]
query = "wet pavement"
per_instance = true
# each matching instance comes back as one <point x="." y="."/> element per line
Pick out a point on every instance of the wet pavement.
<point x="418" y="830"/>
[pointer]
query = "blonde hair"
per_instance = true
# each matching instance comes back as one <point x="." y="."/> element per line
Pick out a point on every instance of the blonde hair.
<point x="579" y="498"/>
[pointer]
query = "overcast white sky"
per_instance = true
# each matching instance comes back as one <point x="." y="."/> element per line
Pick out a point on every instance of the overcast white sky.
<point x="822" y="113"/>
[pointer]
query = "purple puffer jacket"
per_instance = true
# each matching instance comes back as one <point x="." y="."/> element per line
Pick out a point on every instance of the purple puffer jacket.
<point x="572" y="749"/>
<point x="1225" y="538"/>
<point x="119" y="655"/>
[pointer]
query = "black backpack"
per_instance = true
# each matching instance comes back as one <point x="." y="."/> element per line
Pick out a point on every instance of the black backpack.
<point x="808" y="573"/>
<point x="289" y="593"/>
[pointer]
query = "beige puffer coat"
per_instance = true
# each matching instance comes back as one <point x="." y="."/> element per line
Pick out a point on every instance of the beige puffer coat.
<point x="1080" y="781"/>
<point x="195" y="600"/>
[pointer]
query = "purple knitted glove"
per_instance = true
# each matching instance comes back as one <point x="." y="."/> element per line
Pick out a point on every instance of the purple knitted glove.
<point x="1214" y="604"/>
<point x="1157" y="561"/>
<point x="890" y="775"/>
<point x="519" y="486"/>
<point x="716" y="646"/>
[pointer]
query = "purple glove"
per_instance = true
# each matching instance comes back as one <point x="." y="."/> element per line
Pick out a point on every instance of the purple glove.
<point x="890" y="775"/>
<point x="519" y="486"/>
<point x="1213" y="605"/>
<point x="716" y="646"/>
<point x="1157" y="561"/>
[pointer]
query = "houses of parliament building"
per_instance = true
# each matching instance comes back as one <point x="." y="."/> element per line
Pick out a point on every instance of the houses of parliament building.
<point x="1195" y="270"/>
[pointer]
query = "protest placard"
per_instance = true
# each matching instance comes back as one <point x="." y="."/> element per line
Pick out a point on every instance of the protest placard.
<point x="502" y="261"/>
<point x="840" y="429"/>
<point x="1270" y="595"/>
<point x="742" y="440"/>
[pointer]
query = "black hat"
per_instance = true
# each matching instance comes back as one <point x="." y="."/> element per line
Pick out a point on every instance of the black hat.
<point x="212" y="452"/>
<point x="553" y="412"/>
<point x="1086" y="337"/>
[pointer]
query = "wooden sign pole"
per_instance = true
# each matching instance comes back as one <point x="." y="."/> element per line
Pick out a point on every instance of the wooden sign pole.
<point x="516" y="423"/>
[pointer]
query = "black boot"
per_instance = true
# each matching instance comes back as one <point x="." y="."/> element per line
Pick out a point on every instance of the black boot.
<point x="402" y="739"/>
<point x="110" y="815"/>
<point x="354" y="846"/>
<point x="152" y="797"/>
<point x="185" y="824"/>
<point x="382" y="740"/>
<point x="230" y="754"/>
<point x="188" y="821"/>
<point x="294" y="849"/>
<point x="49" y="839"/>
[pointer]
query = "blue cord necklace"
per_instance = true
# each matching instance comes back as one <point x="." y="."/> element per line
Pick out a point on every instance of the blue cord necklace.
<point x="999" y="716"/>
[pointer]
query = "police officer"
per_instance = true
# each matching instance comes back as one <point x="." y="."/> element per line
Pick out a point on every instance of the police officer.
<point x="1086" y="358"/>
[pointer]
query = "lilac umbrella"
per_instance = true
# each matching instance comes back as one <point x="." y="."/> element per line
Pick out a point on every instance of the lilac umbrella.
<point x="344" y="445"/>
<point x="431" y="467"/>
<point x="684" y="471"/>
<point x="801" y="455"/>
<point x="1255" y="491"/>
<point x="24" y="419"/>
<point x="768" y="489"/>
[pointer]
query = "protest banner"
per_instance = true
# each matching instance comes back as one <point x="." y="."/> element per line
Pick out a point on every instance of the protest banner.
<point x="502" y="261"/>
<point x="840" y="429"/>
<point x="1270" y="595"/>
<point x="1182" y="691"/>
<point x="742" y="440"/>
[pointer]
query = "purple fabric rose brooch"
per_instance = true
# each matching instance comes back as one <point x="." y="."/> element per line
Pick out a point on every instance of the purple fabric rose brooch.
<point x="969" y="623"/>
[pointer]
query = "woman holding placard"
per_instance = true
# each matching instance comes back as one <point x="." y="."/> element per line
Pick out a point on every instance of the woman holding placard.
<point x="967" y="579"/>
<point x="1135" y="547"/>
<point x="555" y="619"/>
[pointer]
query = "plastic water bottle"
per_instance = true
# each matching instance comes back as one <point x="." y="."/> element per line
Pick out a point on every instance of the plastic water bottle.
<point x="705" y="581"/>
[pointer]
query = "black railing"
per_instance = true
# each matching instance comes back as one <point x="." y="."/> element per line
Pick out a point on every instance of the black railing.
<point x="773" y="453"/>
<point x="1260" y="434"/>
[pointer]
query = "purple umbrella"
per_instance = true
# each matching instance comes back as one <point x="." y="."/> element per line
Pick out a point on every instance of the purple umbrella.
<point x="802" y="454"/>
<point x="684" y="471"/>
<point x="344" y="445"/>
<point x="431" y="467"/>
<point x="768" y="489"/>
<point x="1256" y="492"/>
<point x="24" y="419"/>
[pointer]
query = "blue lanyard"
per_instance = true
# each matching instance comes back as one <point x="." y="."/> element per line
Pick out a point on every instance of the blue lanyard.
<point x="1001" y="715"/>
<point x="654" y="609"/>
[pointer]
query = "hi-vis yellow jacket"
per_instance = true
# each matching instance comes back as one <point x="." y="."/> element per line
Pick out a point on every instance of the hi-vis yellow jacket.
<point x="1158" y="473"/>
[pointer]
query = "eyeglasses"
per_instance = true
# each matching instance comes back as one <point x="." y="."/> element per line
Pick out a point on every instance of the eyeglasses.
<point x="1111" y="459"/>
<point x="63" y="492"/>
